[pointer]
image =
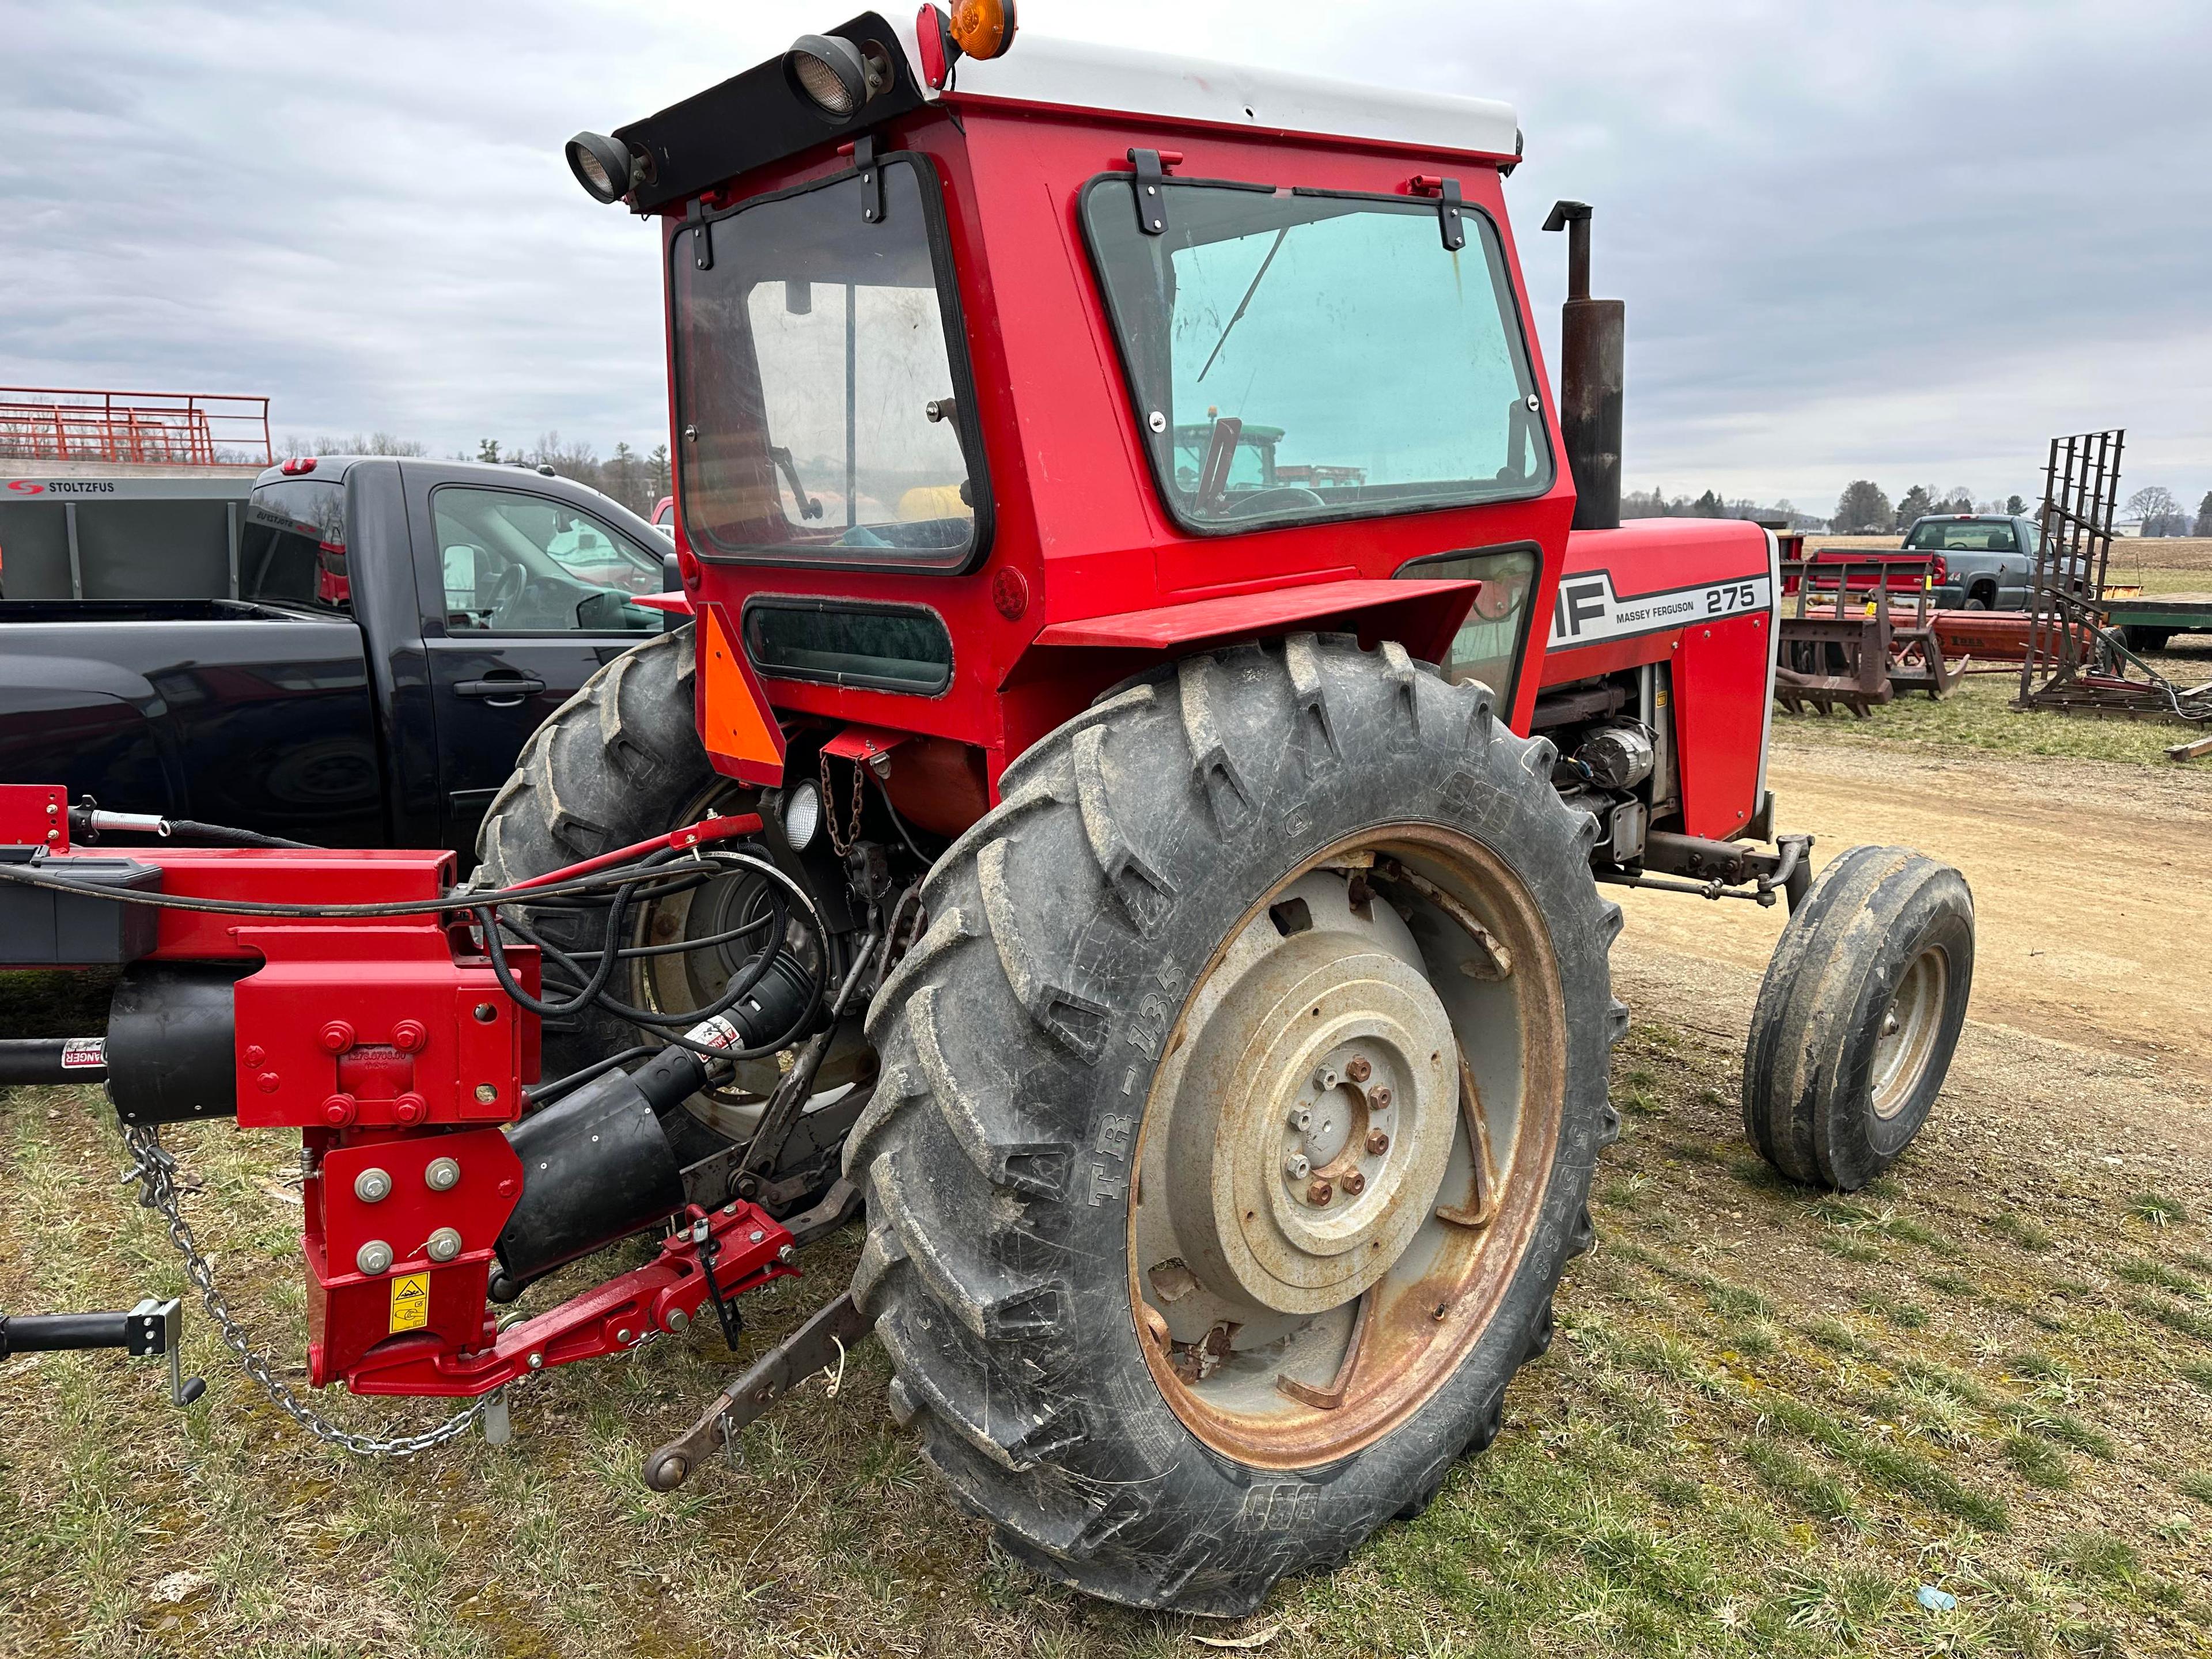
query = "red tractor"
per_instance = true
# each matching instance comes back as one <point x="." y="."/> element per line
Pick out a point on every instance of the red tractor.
<point x="1162" y="889"/>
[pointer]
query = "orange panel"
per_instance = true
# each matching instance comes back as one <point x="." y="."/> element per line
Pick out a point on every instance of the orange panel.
<point x="742" y="736"/>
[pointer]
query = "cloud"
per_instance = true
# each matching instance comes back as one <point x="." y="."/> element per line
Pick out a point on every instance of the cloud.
<point x="1891" y="240"/>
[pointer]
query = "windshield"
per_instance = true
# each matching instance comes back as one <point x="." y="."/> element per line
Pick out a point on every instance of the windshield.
<point x="1298" y="357"/>
<point x="817" y="407"/>
<point x="1963" y="536"/>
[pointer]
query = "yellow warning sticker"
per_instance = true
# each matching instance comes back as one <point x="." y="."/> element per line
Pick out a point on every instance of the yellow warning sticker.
<point x="411" y="1302"/>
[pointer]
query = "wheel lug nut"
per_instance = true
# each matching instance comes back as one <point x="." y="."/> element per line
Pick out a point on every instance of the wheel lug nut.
<point x="1354" y="1182"/>
<point x="1359" y="1071"/>
<point x="1381" y="1099"/>
<point x="1301" y="1118"/>
<point x="1320" y="1192"/>
<point x="1296" y="1167"/>
<point x="1325" y="1077"/>
<point x="1377" y="1143"/>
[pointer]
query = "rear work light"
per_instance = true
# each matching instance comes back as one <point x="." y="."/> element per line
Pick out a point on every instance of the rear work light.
<point x="607" y="168"/>
<point x="834" y="75"/>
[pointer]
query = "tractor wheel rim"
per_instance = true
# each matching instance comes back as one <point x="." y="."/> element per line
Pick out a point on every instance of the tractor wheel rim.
<point x="1346" y="1148"/>
<point x="681" y="982"/>
<point x="1905" y="1037"/>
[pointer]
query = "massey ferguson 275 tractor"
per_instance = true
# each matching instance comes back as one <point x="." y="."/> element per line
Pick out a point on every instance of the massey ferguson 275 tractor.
<point x="1129" y="813"/>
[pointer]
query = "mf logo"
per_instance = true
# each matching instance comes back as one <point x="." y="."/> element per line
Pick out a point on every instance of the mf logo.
<point x="1589" y="610"/>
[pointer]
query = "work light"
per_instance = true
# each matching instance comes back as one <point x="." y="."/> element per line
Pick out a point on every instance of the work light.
<point x="802" y="815"/>
<point x="603" y="165"/>
<point x="835" y="74"/>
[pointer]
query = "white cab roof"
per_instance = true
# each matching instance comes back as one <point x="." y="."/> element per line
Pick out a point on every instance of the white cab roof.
<point x="1079" y="75"/>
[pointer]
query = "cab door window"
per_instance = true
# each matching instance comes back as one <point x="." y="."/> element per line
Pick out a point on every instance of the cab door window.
<point x="513" y="562"/>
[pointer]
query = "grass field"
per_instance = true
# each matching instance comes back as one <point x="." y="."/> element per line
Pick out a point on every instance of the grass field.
<point x="1978" y="714"/>
<point x="1770" y="1418"/>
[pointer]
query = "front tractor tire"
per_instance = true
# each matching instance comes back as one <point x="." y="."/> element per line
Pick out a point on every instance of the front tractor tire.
<point x="1858" y="1016"/>
<point x="1237" y="1118"/>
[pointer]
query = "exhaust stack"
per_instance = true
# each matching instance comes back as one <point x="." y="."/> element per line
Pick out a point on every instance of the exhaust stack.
<point x="1593" y="336"/>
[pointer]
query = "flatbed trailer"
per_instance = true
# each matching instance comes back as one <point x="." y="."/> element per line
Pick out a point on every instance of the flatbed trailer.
<point x="2149" y="621"/>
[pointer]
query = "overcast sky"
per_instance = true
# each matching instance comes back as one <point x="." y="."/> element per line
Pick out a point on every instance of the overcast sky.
<point x="1908" y="241"/>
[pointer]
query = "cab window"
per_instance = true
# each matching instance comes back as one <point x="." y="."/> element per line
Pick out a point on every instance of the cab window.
<point x="820" y="389"/>
<point x="513" y="562"/>
<point x="1298" y="355"/>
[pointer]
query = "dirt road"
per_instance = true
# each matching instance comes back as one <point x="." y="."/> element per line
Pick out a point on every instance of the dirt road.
<point x="2093" y="896"/>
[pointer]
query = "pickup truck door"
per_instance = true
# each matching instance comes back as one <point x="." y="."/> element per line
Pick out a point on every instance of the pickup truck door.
<point x="524" y="597"/>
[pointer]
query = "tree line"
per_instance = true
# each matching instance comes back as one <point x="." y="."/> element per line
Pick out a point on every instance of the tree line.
<point x="638" y="482"/>
<point x="1864" y="510"/>
<point x="1657" y="504"/>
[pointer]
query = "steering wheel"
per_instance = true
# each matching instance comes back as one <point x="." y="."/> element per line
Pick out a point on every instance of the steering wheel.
<point x="1271" y="500"/>
<point x="508" y="588"/>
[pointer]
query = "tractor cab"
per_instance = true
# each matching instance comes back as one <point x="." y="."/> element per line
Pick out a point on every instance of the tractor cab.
<point x="974" y="352"/>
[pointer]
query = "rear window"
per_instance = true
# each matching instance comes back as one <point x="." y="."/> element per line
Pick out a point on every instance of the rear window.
<point x="883" y="647"/>
<point x="1963" y="536"/>
<point x="292" y="547"/>
<point x="822" y="399"/>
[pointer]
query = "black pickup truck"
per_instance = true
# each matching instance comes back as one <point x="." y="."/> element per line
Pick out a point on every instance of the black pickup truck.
<point x="401" y="627"/>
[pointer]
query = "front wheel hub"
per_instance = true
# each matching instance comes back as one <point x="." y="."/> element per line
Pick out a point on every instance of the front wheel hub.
<point x="1277" y="1197"/>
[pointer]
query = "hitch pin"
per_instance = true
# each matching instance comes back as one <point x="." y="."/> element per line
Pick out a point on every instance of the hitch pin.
<point x="159" y="1327"/>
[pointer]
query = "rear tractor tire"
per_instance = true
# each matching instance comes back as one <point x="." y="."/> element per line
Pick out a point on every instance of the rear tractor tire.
<point x="1236" y="1116"/>
<point x="1858" y="1016"/>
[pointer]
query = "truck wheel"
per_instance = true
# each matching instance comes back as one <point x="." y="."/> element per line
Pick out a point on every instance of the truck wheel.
<point x="618" y="763"/>
<point x="1857" y="1017"/>
<point x="1236" y="1117"/>
<point x="2145" y="641"/>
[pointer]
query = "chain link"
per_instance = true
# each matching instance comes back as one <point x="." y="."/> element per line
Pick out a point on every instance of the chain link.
<point x="155" y="1174"/>
<point x="839" y="844"/>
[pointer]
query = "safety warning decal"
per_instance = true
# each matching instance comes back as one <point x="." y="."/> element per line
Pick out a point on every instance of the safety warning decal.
<point x="1587" y="611"/>
<point x="411" y="1302"/>
<point x="83" y="1054"/>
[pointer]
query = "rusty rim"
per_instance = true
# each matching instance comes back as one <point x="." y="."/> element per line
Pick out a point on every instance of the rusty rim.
<point x="1347" y="1146"/>
<point x="1906" y="1036"/>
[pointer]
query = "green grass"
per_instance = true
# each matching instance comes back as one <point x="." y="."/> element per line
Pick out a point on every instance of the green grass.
<point x="2142" y="1270"/>
<point x="1815" y="1490"/>
<point x="2035" y="1463"/>
<point x="1977" y="715"/>
<point x="2015" y="1228"/>
<point x="2158" y="1210"/>
<point x="1733" y="1448"/>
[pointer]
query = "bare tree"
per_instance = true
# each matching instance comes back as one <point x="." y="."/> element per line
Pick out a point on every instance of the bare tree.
<point x="2160" y="514"/>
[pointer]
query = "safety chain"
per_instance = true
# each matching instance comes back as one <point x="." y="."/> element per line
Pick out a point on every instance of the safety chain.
<point x="155" y="1173"/>
<point x="838" y="844"/>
